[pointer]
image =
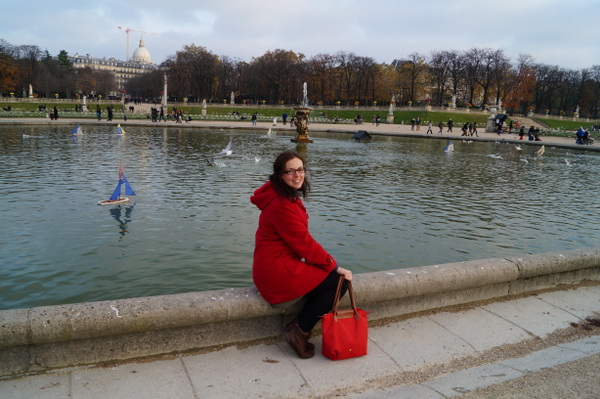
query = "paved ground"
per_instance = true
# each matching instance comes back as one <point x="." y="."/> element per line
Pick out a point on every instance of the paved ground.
<point x="280" y="129"/>
<point x="536" y="346"/>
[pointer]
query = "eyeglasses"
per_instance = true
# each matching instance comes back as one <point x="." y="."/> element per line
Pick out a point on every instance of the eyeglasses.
<point x="290" y="172"/>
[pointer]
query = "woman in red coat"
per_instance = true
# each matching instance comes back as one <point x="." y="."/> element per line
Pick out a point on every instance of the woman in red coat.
<point x="288" y="262"/>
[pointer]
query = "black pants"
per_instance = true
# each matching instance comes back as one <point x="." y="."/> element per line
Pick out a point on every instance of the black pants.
<point x="320" y="301"/>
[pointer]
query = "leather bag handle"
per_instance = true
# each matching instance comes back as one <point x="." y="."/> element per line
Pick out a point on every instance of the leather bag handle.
<point x="336" y="299"/>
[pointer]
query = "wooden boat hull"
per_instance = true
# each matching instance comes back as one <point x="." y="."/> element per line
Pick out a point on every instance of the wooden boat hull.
<point x="113" y="202"/>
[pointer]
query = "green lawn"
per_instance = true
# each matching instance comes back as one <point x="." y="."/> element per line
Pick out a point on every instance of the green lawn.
<point x="563" y="124"/>
<point x="560" y="127"/>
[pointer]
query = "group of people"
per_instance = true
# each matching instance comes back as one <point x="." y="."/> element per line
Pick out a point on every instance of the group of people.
<point x="109" y="111"/>
<point x="415" y="124"/>
<point x="158" y="115"/>
<point x="583" y="137"/>
<point x="468" y="128"/>
<point x="533" y="134"/>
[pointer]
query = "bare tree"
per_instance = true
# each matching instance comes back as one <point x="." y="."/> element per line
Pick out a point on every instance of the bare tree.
<point x="482" y="67"/>
<point x="439" y="75"/>
<point x="456" y="72"/>
<point x="412" y="77"/>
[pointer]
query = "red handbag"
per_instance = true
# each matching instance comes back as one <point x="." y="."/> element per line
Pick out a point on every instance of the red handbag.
<point x="345" y="332"/>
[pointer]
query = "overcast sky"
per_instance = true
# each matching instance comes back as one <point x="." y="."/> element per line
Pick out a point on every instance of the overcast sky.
<point x="554" y="32"/>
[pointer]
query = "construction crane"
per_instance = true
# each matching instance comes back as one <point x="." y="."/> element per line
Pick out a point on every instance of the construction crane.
<point x="127" y="30"/>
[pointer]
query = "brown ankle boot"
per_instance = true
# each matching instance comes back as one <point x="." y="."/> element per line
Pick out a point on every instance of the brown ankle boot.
<point x="298" y="340"/>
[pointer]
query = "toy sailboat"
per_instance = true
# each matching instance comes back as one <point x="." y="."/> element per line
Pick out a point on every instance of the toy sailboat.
<point x="116" y="197"/>
<point x="77" y="130"/>
<point x="120" y="131"/>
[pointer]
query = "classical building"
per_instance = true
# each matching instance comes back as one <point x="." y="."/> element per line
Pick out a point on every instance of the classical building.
<point x="140" y="63"/>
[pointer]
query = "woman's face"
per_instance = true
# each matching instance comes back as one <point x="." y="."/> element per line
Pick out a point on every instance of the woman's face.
<point x="295" y="179"/>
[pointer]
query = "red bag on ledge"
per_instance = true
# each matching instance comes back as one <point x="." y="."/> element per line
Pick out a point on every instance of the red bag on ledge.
<point x="345" y="332"/>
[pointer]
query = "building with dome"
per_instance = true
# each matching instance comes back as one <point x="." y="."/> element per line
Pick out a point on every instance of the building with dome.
<point x="140" y="62"/>
<point x="141" y="54"/>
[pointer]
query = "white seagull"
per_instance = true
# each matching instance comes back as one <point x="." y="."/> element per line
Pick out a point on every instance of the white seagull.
<point x="227" y="151"/>
<point x="540" y="152"/>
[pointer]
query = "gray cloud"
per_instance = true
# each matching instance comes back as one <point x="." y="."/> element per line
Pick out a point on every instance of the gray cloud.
<point x="556" y="32"/>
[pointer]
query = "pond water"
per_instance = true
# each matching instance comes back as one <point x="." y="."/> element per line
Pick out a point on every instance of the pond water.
<point x="389" y="204"/>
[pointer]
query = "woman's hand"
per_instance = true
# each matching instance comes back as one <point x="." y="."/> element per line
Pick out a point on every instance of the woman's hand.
<point x="345" y="272"/>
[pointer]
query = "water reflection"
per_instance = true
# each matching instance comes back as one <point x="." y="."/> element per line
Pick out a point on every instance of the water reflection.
<point x="388" y="204"/>
<point x="122" y="214"/>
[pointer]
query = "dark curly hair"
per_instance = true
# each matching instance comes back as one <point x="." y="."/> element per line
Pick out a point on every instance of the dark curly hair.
<point x="277" y="181"/>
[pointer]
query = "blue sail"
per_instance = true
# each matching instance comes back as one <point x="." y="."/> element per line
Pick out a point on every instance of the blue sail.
<point x="117" y="193"/>
<point x="128" y="188"/>
<point x="76" y="130"/>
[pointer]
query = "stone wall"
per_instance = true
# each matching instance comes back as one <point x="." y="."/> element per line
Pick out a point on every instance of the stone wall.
<point x="37" y="339"/>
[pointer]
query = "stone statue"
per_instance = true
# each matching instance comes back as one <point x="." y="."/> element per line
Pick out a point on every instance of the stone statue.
<point x="302" y="125"/>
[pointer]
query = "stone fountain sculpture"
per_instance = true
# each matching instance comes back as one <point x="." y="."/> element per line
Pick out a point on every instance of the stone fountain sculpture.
<point x="302" y="114"/>
<point x="390" y="117"/>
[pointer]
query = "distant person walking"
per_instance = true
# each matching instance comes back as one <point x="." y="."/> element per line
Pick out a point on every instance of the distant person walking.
<point x="429" y="130"/>
<point x="474" y="132"/>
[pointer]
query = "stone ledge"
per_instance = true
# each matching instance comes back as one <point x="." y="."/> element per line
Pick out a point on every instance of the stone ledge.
<point x="41" y="338"/>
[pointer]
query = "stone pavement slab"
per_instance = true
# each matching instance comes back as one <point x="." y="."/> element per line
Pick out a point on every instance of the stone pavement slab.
<point x="581" y="305"/>
<point x="50" y="386"/>
<point x="533" y="315"/>
<point x="482" y="330"/>
<point x="415" y="343"/>
<point x="254" y="372"/>
<point x="160" y="379"/>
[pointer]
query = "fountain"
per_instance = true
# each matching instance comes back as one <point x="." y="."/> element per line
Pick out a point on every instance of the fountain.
<point x="302" y="114"/>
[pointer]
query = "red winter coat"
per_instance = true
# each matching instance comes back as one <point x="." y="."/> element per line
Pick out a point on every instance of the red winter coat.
<point x="288" y="262"/>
